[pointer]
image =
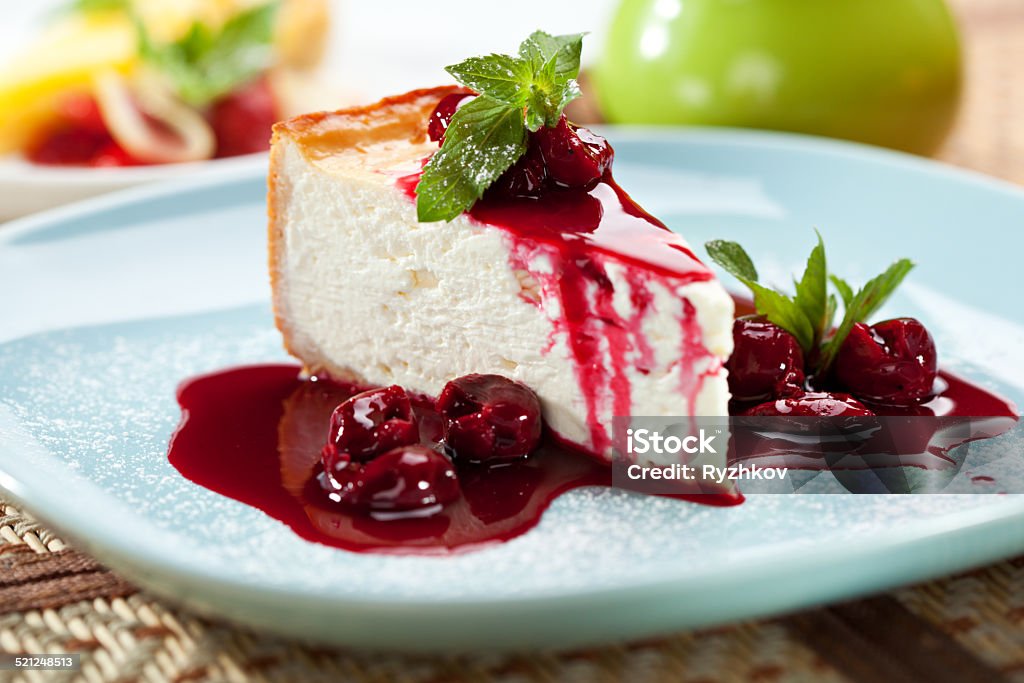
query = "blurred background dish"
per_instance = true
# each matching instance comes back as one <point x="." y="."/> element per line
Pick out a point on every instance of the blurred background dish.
<point x="26" y="188"/>
<point x="140" y="82"/>
<point x="97" y="95"/>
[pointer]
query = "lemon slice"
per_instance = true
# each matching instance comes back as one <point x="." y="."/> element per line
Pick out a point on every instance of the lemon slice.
<point x="63" y="60"/>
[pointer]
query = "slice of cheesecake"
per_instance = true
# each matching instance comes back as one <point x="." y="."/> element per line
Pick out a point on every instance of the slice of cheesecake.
<point x="581" y="295"/>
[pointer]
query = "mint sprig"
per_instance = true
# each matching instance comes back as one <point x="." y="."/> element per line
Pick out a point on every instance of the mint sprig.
<point x="516" y="94"/>
<point x="205" y="63"/>
<point x="809" y="314"/>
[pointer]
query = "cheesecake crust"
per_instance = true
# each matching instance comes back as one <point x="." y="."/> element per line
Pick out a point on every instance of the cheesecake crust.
<point x="392" y="118"/>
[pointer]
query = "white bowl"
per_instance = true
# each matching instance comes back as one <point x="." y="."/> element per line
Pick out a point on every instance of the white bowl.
<point x="26" y="187"/>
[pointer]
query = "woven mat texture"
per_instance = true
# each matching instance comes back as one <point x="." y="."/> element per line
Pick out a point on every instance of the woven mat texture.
<point x="964" y="628"/>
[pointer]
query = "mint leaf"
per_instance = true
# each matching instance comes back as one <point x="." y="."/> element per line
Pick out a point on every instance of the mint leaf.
<point x="501" y="77"/>
<point x="485" y="137"/>
<point x="863" y="305"/>
<point x="843" y="287"/>
<point x="561" y="52"/>
<point x="812" y="293"/>
<point x="784" y="312"/>
<point x="777" y="307"/>
<point x="206" y="64"/>
<point x="733" y="258"/>
<point x="830" y="311"/>
<point x="876" y="292"/>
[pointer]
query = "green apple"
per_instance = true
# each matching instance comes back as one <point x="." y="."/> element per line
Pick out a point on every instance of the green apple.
<point x="886" y="72"/>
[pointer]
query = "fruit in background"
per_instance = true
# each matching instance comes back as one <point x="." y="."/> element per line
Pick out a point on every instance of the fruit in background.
<point x="170" y="76"/>
<point x="300" y="36"/>
<point x="242" y="120"/>
<point x="885" y="72"/>
<point x="146" y="119"/>
<point x="81" y="138"/>
<point x="62" y="62"/>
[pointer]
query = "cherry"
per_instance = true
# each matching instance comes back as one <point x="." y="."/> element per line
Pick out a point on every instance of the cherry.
<point x="113" y="154"/>
<point x="242" y="120"/>
<point x="488" y="418"/>
<point x="368" y="424"/>
<point x="766" y="361"/>
<point x="68" y="146"/>
<point x="892" y="362"/>
<point x="442" y="115"/>
<point x="80" y="138"/>
<point x="404" y="478"/>
<point x="83" y="112"/>
<point x="812" y="404"/>
<point x="526" y="178"/>
<point x="574" y="156"/>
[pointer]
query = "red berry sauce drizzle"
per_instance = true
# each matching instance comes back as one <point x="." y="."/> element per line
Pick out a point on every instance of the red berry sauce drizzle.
<point x="256" y="433"/>
<point x="240" y="121"/>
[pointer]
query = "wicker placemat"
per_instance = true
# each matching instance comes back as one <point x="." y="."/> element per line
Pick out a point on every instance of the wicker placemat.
<point x="964" y="628"/>
<point x="989" y="136"/>
<point x="53" y="599"/>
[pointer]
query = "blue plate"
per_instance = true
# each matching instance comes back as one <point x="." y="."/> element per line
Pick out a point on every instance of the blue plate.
<point x="109" y="304"/>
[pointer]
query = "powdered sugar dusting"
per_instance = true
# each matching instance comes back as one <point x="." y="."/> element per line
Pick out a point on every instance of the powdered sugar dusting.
<point x="101" y="401"/>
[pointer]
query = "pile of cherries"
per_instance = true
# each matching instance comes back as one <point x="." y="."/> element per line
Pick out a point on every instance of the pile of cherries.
<point x="565" y="156"/>
<point x="241" y="123"/>
<point x="376" y="462"/>
<point x="886" y="366"/>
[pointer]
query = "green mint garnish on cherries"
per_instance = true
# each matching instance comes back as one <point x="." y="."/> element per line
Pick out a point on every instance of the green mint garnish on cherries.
<point x="488" y="135"/>
<point x="809" y="313"/>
